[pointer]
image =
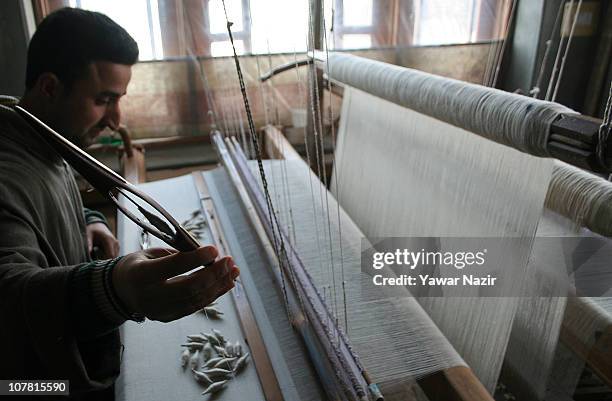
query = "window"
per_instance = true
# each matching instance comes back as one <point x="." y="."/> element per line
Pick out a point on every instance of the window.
<point x="165" y="29"/>
<point x="459" y="21"/>
<point x="223" y="48"/>
<point x="129" y="14"/>
<point x="237" y="14"/>
<point x="279" y="26"/>
<point x="358" y="14"/>
<point x="353" y="23"/>
<point x="444" y="21"/>
<point x="356" y="41"/>
<point x="363" y="24"/>
<point x="259" y="26"/>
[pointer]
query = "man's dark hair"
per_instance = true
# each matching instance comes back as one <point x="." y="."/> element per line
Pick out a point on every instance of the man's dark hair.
<point x="70" y="39"/>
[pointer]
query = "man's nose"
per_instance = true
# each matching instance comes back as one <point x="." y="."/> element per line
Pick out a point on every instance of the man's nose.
<point x="113" y="116"/>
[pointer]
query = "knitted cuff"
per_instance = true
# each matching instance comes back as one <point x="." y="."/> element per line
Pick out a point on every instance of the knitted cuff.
<point x="91" y="300"/>
<point x="93" y="216"/>
<point x="113" y="299"/>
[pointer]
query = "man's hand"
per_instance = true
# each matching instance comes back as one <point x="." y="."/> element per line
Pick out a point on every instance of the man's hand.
<point x="148" y="283"/>
<point x="100" y="236"/>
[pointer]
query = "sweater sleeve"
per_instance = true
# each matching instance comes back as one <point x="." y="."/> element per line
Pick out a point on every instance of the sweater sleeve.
<point x="54" y="316"/>
<point x="93" y="216"/>
<point x="93" y="301"/>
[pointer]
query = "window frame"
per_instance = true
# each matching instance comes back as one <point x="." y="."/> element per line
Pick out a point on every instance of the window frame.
<point x="244" y="34"/>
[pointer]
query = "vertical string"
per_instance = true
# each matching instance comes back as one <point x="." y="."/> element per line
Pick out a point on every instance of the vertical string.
<point x="277" y="238"/>
<point x="569" y="42"/>
<point x="276" y="116"/>
<point x="536" y="90"/>
<point x="604" y="131"/>
<point x="283" y="195"/>
<point x="553" y="74"/>
<point x="333" y="134"/>
<point x="318" y="146"/>
<point x="500" y="56"/>
<point x="301" y="95"/>
<point x="212" y="111"/>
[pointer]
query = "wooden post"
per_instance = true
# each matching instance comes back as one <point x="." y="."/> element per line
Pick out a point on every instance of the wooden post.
<point x="314" y="100"/>
<point x="132" y="159"/>
<point x="133" y="167"/>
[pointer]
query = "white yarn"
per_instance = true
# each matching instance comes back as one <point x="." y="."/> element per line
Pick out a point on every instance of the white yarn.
<point x="401" y="173"/>
<point x="584" y="198"/>
<point x="514" y="120"/>
<point x="391" y="333"/>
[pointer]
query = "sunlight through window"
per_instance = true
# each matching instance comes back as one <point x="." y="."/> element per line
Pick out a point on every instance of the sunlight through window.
<point x="139" y="17"/>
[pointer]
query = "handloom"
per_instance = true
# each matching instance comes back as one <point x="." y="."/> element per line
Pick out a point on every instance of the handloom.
<point x="405" y="172"/>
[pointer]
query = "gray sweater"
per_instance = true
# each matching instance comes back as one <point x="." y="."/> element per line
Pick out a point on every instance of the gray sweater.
<point x="59" y="316"/>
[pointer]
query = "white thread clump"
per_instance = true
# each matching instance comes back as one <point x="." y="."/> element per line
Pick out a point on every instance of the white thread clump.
<point x="582" y="197"/>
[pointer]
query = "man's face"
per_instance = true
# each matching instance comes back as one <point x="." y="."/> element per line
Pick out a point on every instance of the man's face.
<point x="92" y="103"/>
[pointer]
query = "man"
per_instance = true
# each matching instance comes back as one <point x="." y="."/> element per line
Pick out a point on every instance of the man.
<point x="60" y="311"/>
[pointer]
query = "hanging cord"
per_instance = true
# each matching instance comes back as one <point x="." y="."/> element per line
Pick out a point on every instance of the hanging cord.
<point x="308" y="176"/>
<point x="238" y="126"/>
<point x="490" y="62"/>
<point x="569" y="42"/>
<point x="212" y="111"/>
<point x="273" y="94"/>
<point x="325" y="195"/>
<point x="500" y="55"/>
<point x="262" y="93"/>
<point x="333" y="134"/>
<point x="604" y="132"/>
<point x="283" y="196"/>
<point x="535" y="91"/>
<point x="319" y="156"/>
<point x="553" y="74"/>
<point x="493" y="55"/>
<point x="279" y="244"/>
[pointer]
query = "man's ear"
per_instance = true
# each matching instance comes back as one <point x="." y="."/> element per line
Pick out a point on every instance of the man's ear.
<point x="49" y="86"/>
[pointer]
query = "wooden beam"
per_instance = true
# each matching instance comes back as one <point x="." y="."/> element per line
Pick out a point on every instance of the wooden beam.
<point x="314" y="111"/>
<point x="277" y="146"/>
<point x="595" y="351"/>
<point x="454" y="384"/>
<point x="314" y="98"/>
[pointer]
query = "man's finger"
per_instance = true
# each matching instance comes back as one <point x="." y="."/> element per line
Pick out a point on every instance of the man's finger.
<point x="109" y="247"/>
<point x="178" y="305"/>
<point x="117" y="248"/>
<point x="172" y="265"/>
<point x="194" y="284"/>
<point x="154" y="253"/>
<point x="178" y="309"/>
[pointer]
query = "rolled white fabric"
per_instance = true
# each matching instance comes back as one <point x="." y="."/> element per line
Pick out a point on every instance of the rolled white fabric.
<point x="510" y="119"/>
